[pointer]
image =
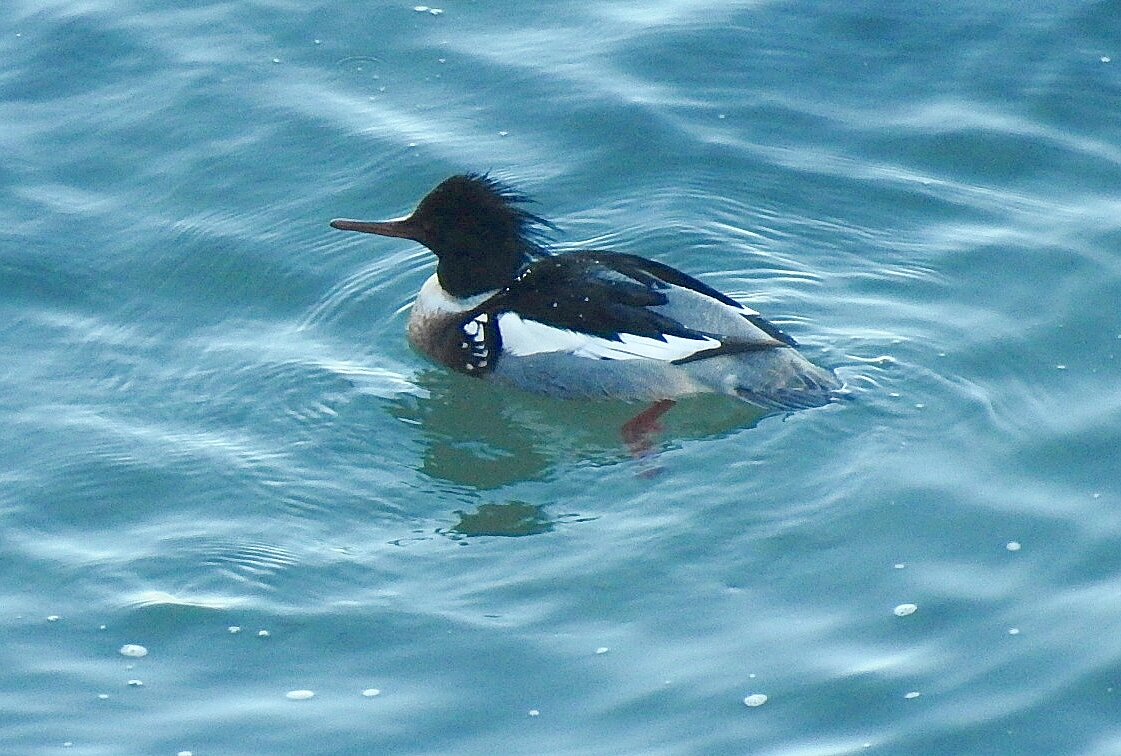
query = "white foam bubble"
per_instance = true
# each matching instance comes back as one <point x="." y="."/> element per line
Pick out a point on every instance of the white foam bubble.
<point x="371" y="692"/>
<point x="755" y="699"/>
<point x="299" y="695"/>
<point x="602" y="650"/>
<point x="1013" y="546"/>
<point x="904" y="610"/>
<point x="133" y="650"/>
<point x="912" y="694"/>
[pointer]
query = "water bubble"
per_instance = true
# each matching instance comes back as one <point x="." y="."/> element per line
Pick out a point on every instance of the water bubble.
<point x="134" y="650"/>
<point x="53" y="618"/>
<point x="912" y="694"/>
<point x="435" y="11"/>
<point x="299" y="695"/>
<point x="420" y="8"/>
<point x="755" y="699"/>
<point x="904" y="610"/>
<point x="136" y="683"/>
<point x="534" y="713"/>
<point x="1103" y="59"/>
<point x="371" y="692"/>
<point x="276" y="60"/>
<point x="234" y="629"/>
<point x="899" y="565"/>
<point x="1013" y="631"/>
<point x="1013" y="546"/>
<point x="602" y="650"/>
<point x="102" y="696"/>
<point x="263" y="633"/>
<point x="184" y="753"/>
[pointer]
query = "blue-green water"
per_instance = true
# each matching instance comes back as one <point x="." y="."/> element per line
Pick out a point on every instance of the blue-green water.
<point x="211" y="418"/>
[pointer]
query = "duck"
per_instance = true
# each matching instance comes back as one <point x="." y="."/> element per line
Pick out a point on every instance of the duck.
<point x="503" y="306"/>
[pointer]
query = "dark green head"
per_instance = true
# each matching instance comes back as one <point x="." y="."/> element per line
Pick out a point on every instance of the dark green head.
<point x="476" y="228"/>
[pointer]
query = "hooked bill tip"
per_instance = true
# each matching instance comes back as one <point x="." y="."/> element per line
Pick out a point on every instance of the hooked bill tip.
<point x="342" y="224"/>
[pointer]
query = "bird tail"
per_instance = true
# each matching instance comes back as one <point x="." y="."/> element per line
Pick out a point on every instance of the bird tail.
<point x="775" y="380"/>
<point x="814" y="389"/>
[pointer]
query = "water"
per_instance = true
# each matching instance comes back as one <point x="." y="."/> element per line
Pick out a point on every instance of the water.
<point x="212" y="419"/>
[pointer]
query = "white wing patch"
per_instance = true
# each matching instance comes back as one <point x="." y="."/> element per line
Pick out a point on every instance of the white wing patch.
<point x="525" y="337"/>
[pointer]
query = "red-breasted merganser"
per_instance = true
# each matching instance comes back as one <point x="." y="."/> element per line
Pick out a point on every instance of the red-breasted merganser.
<point x="583" y="325"/>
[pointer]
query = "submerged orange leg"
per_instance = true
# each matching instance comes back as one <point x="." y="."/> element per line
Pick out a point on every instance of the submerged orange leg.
<point x="640" y="431"/>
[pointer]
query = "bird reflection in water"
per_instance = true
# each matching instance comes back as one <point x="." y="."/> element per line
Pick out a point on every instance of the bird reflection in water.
<point x="512" y="519"/>
<point x="483" y="437"/>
